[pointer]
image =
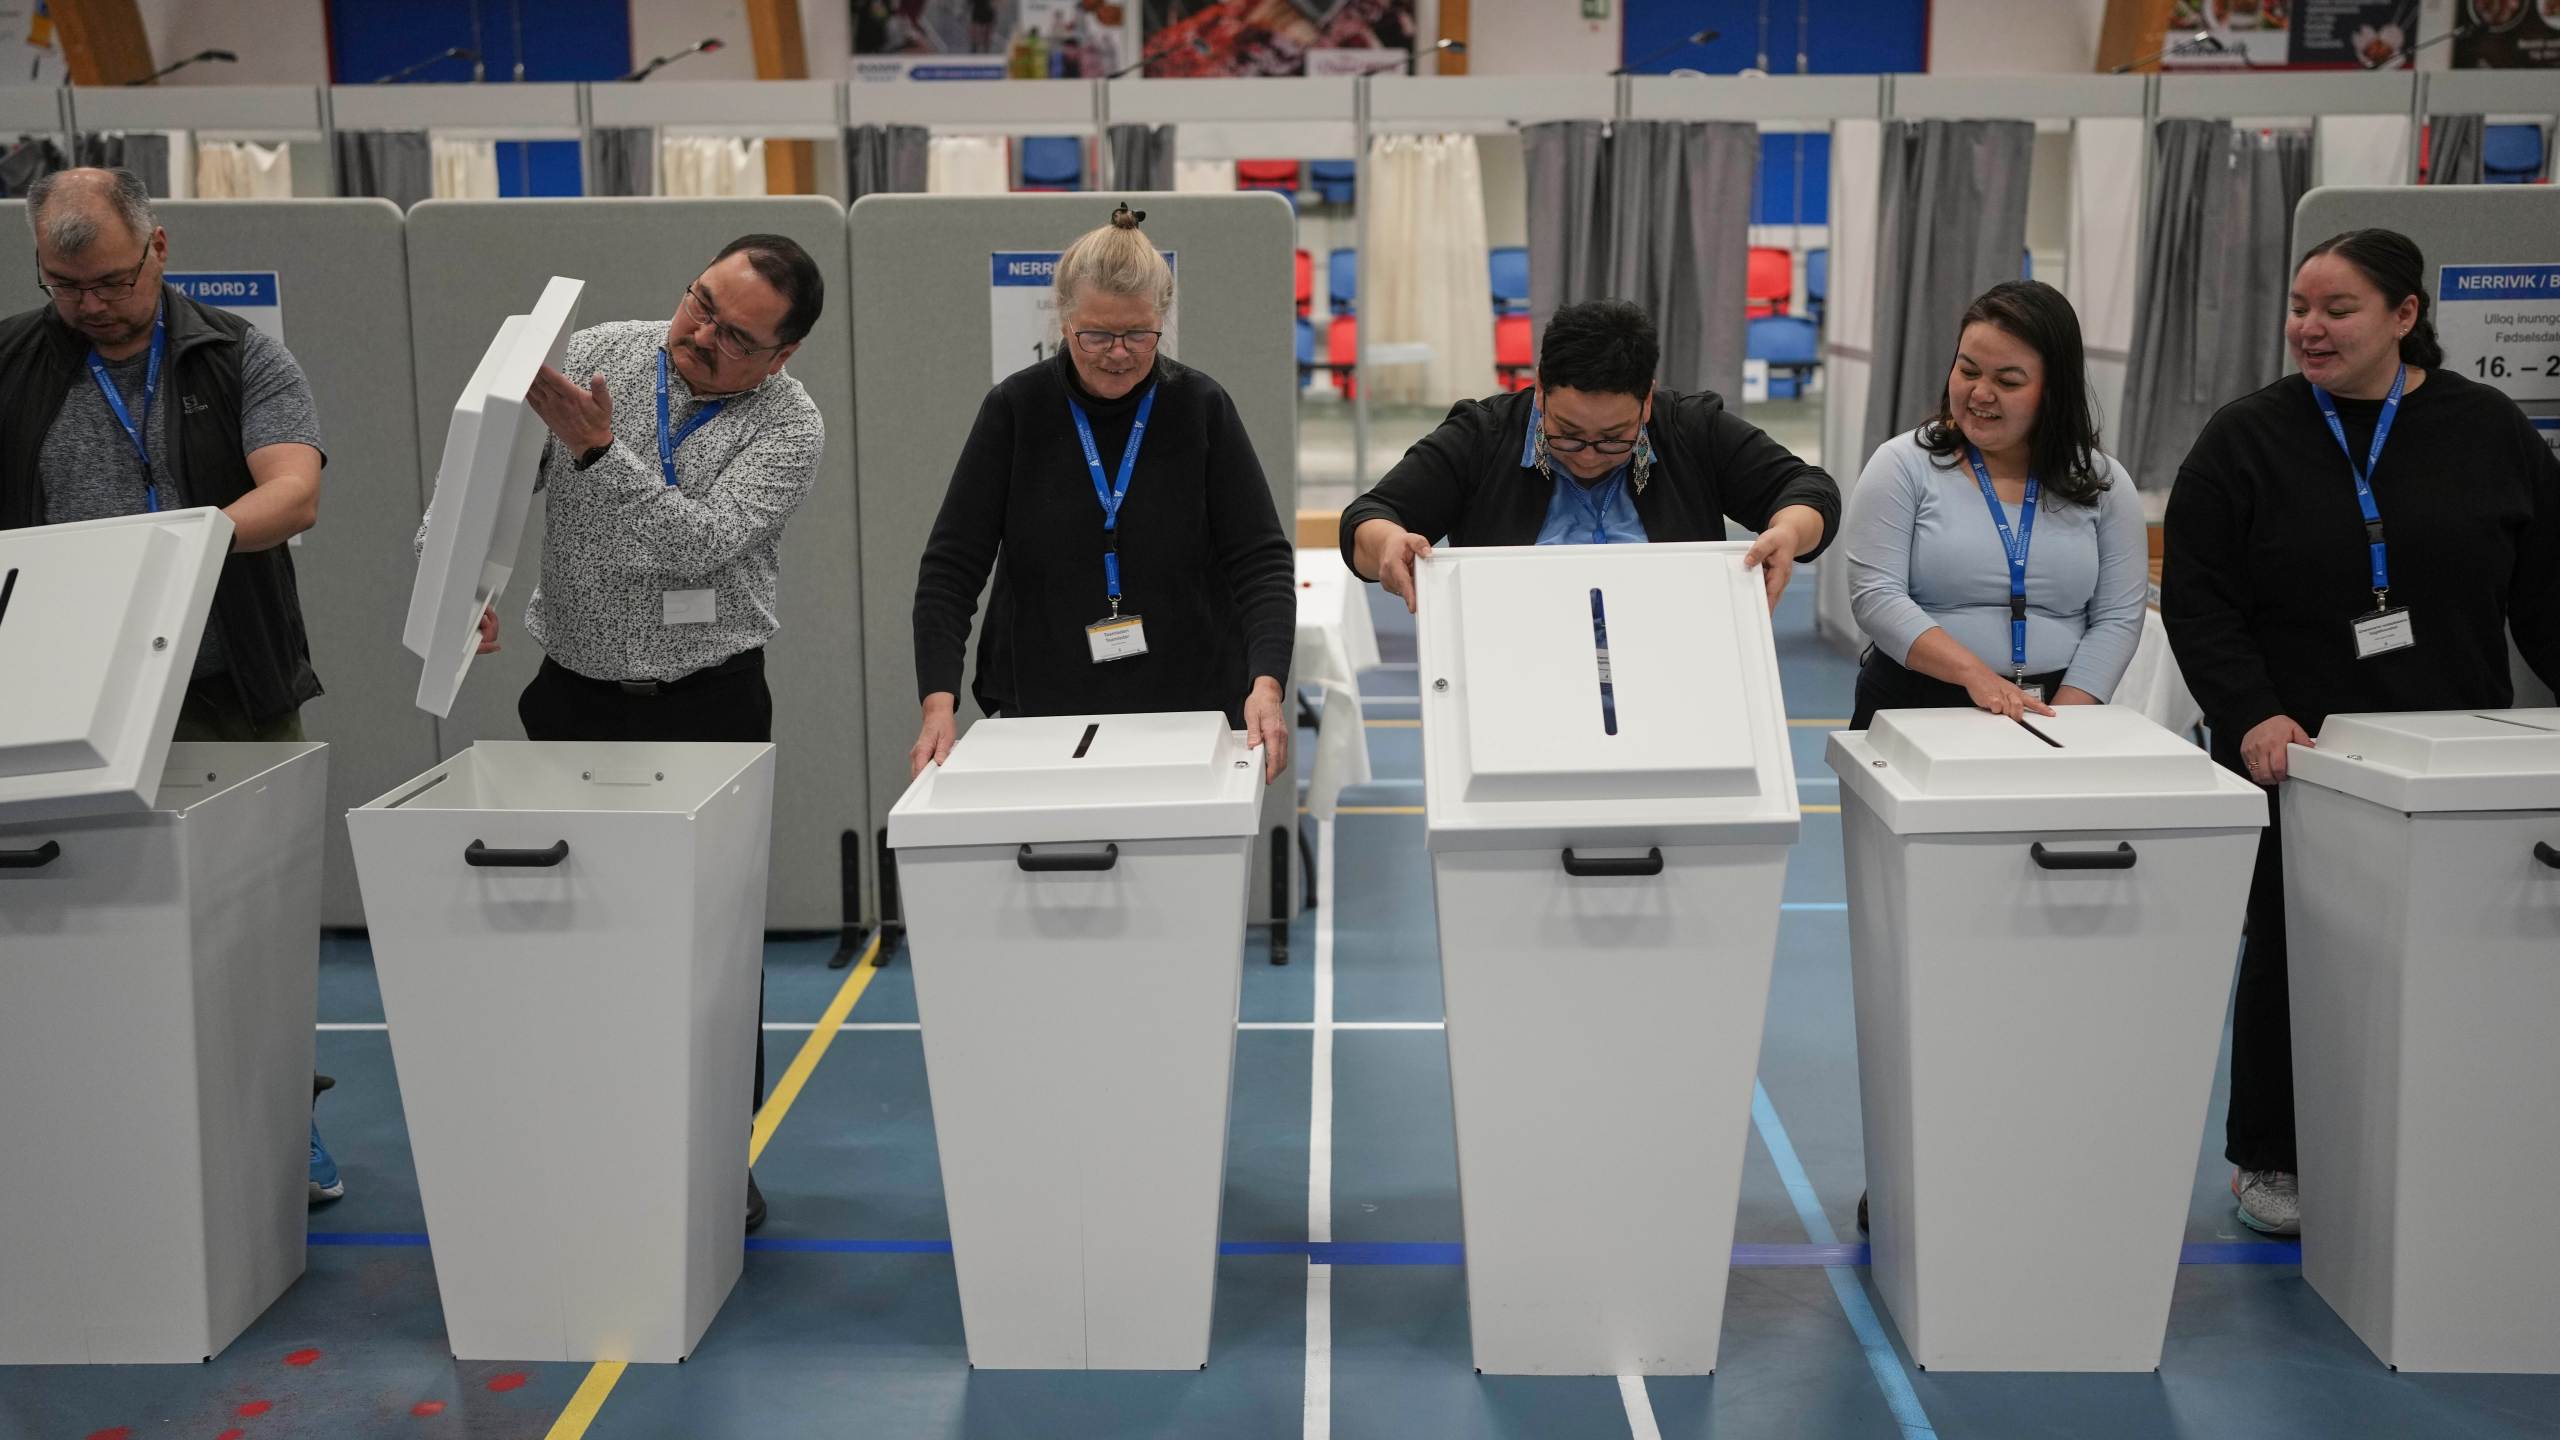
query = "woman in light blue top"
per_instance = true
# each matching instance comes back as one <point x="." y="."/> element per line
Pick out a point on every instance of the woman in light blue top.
<point x="1996" y="557"/>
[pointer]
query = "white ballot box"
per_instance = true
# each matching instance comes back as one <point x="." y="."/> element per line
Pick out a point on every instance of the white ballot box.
<point x="1609" y="823"/>
<point x="569" y="938"/>
<point x="159" y="950"/>
<point x="2043" y="921"/>
<point x="2422" y="919"/>
<point x="1071" y="891"/>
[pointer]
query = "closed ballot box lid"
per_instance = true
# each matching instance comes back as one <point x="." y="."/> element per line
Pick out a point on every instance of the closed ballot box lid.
<point x="99" y="624"/>
<point x="2084" y="767"/>
<point x="2431" y="760"/>
<point x="1590" y="693"/>
<point x="1062" y="779"/>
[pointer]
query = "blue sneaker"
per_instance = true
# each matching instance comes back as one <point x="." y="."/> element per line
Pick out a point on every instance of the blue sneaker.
<point x="325" y="1184"/>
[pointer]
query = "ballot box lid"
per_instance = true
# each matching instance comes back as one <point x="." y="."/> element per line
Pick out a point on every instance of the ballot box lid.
<point x="1589" y="693"/>
<point x="99" y="625"/>
<point x="2083" y="767"/>
<point x="2432" y="760"/>
<point x="1060" y="779"/>
<point x="483" y="492"/>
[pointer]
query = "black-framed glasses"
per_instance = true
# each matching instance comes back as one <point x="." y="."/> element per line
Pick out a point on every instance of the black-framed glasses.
<point x="1563" y="445"/>
<point x="1096" y="342"/>
<point x="728" y="339"/>
<point x="114" y="287"/>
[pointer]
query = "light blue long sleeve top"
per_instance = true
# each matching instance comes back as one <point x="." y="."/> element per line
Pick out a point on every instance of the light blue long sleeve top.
<point x="1922" y="552"/>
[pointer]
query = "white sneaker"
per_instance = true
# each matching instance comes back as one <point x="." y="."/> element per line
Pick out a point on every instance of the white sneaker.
<point x="2270" y="1202"/>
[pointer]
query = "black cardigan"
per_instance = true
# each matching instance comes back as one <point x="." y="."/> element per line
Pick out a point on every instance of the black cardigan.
<point x="2265" y="568"/>
<point x="1202" y="556"/>
<point x="1465" y="481"/>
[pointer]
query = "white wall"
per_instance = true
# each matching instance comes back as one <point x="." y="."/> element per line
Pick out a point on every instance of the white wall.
<point x="2014" y="37"/>
<point x="661" y="27"/>
<point x="1539" y="37"/>
<point x="279" y="42"/>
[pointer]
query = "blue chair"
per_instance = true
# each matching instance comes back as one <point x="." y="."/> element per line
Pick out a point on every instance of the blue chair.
<point x="1333" y="180"/>
<point x="1306" y="350"/>
<point x="1342" y="280"/>
<point x="1817" y="280"/>
<point x="2511" y="155"/>
<point x="1792" y="347"/>
<point x="1052" y="162"/>
<point x="2026" y="264"/>
<point x="1510" y="279"/>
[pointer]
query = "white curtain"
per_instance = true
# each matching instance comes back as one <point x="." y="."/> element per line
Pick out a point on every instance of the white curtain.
<point x="2360" y="150"/>
<point x="2107" y="156"/>
<point x="1430" y="279"/>
<point x="1848" y="341"/>
<point x="465" y="169"/>
<point x="710" y="165"/>
<point x="967" y="165"/>
<point x="238" y="170"/>
<point x="1203" y="177"/>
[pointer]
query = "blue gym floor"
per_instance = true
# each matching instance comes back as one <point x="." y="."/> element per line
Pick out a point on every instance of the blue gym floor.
<point x="847" y="1321"/>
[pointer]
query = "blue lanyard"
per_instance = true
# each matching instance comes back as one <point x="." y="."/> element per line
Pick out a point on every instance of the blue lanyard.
<point x="667" y="443"/>
<point x="150" y="388"/>
<point x="2364" y="476"/>
<point x="2014" y="545"/>
<point x="1596" y="500"/>
<point x="1113" y="495"/>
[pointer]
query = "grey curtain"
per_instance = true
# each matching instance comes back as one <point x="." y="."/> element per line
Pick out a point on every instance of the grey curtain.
<point x="29" y="160"/>
<point x="397" y="165"/>
<point x="2453" y="148"/>
<point x="1656" y="213"/>
<point x="2209" y="323"/>
<point x="625" y="162"/>
<point x="1951" y="223"/>
<point x="146" y="155"/>
<point x="1141" y="157"/>
<point x="885" y="160"/>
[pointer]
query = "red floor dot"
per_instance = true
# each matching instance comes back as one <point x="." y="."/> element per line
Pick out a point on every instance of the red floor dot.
<point x="512" y="1380"/>
<point x="427" y="1409"/>
<point x="121" y="1432"/>
<point x="256" y="1408"/>
<point x="230" y="1435"/>
<point x="302" y="1357"/>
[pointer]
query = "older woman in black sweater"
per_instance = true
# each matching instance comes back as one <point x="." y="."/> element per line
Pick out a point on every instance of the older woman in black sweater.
<point x="2283" y="609"/>
<point x="1139" y="565"/>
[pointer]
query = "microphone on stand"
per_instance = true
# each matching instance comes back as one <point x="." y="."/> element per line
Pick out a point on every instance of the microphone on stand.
<point x="1197" y="46"/>
<point x="700" y="47"/>
<point x="225" y="56"/>
<point x="458" y="52"/>
<point x="2204" y="41"/>
<point x="1703" y="37"/>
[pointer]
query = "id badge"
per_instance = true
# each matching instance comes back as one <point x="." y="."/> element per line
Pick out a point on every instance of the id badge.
<point x="2384" y="631"/>
<point x="690" y="607"/>
<point x="1118" y="638"/>
<point x="2038" y="693"/>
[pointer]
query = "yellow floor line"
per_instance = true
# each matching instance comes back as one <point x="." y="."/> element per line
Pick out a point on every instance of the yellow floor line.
<point x="1820" y="809"/>
<point x="1820" y="722"/>
<point x="601" y="1378"/>
<point x="1377" y="810"/>
<point x="1394" y="724"/>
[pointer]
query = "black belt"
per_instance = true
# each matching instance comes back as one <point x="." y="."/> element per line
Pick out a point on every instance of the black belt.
<point x="738" y="664"/>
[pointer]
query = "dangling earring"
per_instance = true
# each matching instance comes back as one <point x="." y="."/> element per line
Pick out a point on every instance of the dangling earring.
<point x="1643" y="467"/>
<point x="1538" y="439"/>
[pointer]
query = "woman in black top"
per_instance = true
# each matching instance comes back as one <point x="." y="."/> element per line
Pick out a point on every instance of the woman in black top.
<point x="1645" y="464"/>
<point x="1187" y="602"/>
<point x="2270" y="591"/>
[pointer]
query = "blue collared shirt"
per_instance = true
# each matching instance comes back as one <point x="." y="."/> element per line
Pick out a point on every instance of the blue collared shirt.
<point x="1602" y="514"/>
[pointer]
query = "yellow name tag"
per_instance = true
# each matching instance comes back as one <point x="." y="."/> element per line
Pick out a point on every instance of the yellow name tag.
<point x="1117" y="638"/>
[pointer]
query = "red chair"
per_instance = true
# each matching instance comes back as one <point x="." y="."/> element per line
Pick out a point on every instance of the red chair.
<point x="1267" y="175"/>
<point x="1342" y="352"/>
<point x="1515" y="358"/>
<point x="1306" y="281"/>
<point x="1770" y="283"/>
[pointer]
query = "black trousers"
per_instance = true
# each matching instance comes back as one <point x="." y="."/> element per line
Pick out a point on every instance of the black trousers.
<point x="2257" y="1132"/>
<point x="727" y="702"/>
<point x="1885" y="684"/>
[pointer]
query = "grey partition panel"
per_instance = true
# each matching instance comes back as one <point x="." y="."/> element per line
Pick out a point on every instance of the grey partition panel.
<point x="923" y="362"/>
<point x="340" y="278"/>
<point x="2457" y="225"/>
<point x="473" y="263"/>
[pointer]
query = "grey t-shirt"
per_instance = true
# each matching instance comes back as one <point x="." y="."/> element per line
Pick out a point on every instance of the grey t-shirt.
<point x="88" y="468"/>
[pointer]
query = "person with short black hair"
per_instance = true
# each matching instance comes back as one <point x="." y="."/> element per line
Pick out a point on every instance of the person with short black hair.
<point x="2360" y="536"/>
<point x="668" y="479"/>
<point x="1595" y="453"/>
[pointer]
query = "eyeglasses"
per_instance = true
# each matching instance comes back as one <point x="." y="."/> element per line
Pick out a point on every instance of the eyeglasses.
<point x="114" y="287"/>
<point x="1140" y="342"/>
<point x="1564" y="446"/>
<point x="731" y="341"/>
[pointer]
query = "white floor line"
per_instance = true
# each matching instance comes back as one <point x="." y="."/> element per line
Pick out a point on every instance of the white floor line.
<point x="895" y="1026"/>
<point x="1639" y="1408"/>
<point x="1319" y="1396"/>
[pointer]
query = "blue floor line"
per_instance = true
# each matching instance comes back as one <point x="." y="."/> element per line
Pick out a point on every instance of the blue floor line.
<point x="1899" y="1397"/>
<point x="1821" y="906"/>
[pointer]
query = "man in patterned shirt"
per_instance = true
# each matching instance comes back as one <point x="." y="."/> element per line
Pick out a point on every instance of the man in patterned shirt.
<point x="672" y="468"/>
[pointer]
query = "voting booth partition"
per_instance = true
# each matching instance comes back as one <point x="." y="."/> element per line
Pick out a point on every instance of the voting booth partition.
<point x="2040" y="922"/>
<point x="159" y="914"/>
<point x="473" y="263"/>
<point x="926" y="293"/>
<point x="1610" y="800"/>
<point x="328" y="277"/>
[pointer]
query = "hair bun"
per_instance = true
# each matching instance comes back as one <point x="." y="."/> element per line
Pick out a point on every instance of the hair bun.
<point x="1125" y="218"/>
